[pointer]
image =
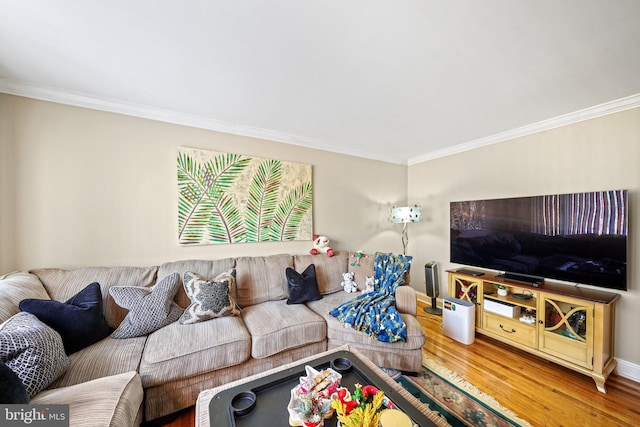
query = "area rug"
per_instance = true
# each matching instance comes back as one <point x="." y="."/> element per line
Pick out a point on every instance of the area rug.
<point x="458" y="401"/>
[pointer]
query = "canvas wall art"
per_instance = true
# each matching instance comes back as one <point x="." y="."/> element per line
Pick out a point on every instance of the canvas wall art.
<point x="232" y="198"/>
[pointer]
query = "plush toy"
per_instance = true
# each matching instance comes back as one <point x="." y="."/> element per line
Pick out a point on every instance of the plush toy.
<point x="368" y="283"/>
<point x="359" y="256"/>
<point x="321" y="245"/>
<point x="347" y="283"/>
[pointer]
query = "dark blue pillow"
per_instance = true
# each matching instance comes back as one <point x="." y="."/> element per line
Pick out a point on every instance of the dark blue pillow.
<point x="12" y="391"/>
<point x="302" y="287"/>
<point x="79" y="321"/>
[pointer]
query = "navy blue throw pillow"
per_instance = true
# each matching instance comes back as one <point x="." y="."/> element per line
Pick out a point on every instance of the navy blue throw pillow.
<point x="79" y="321"/>
<point x="12" y="391"/>
<point x="302" y="287"/>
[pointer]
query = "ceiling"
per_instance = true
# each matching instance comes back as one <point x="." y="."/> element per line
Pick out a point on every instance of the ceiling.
<point x="400" y="81"/>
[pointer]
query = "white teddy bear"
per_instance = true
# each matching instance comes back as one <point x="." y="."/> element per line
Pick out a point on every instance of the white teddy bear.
<point x="368" y="283"/>
<point x="321" y="245"/>
<point x="347" y="282"/>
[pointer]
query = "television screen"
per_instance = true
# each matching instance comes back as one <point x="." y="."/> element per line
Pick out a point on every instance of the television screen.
<point x="579" y="238"/>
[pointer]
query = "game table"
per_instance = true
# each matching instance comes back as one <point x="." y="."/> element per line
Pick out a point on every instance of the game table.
<point x="262" y="399"/>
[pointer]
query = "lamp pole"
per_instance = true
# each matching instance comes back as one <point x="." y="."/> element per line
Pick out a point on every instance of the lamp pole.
<point x="405" y="238"/>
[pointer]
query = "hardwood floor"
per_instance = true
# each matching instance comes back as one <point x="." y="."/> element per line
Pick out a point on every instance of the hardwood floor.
<point x="541" y="392"/>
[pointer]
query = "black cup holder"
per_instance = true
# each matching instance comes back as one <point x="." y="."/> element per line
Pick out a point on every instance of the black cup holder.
<point x="243" y="403"/>
<point x="341" y="364"/>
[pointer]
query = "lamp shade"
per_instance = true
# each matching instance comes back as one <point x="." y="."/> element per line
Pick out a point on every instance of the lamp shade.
<point x="400" y="214"/>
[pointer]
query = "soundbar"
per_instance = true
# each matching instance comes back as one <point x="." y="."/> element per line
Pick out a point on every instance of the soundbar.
<point x="522" y="278"/>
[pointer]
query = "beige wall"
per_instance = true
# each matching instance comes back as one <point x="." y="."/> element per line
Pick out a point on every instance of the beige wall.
<point x="599" y="154"/>
<point x="82" y="188"/>
<point x="7" y="187"/>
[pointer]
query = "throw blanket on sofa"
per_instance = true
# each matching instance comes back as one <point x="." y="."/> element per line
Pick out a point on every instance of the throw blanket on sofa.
<point x="375" y="313"/>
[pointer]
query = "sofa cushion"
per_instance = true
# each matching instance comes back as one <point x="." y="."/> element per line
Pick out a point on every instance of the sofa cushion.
<point x="194" y="349"/>
<point x="173" y="396"/>
<point x="275" y="326"/>
<point x="391" y="356"/>
<point x="303" y="286"/>
<point x="14" y="288"/>
<point x="336" y="330"/>
<point x="328" y="269"/>
<point x="149" y="309"/>
<point x="12" y="390"/>
<point x="92" y="362"/>
<point x="33" y="351"/>
<point x="328" y="302"/>
<point x="209" y="298"/>
<point x="63" y="284"/>
<point x="260" y="279"/>
<point x="205" y="268"/>
<point x="361" y="267"/>
<point x="79" y="321"/>
<point x="415" y="335"/>
<point x="112" y="401"/>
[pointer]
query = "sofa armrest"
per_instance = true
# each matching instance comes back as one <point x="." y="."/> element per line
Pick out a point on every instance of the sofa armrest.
<point x="16" y="286"/>
<point x="406" y="300"/>
<point x="114" y="401"/>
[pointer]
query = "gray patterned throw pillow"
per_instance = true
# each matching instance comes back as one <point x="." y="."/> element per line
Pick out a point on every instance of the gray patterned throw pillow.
<point x="33" y="351"/>
<point x="149" y="310"/>
<point x="209" y="298"/>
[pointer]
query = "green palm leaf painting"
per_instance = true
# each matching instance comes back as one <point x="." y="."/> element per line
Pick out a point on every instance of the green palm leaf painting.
<point x="263" y="199"/>
<point x="229" y="198"/>
<point x="290" y="213"/>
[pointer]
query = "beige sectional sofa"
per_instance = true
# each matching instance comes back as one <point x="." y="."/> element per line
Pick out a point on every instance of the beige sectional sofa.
<point x="173" y="364"/>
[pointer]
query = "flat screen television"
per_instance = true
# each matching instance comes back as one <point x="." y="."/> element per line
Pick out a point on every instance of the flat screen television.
<point x="579" y="238"/>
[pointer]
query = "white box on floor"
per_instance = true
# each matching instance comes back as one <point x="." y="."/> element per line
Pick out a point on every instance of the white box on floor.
<point x="502" y="308"/>
<point x="459" y="320"/>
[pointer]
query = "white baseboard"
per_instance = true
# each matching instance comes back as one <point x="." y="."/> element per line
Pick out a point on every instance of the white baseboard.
<point x="628" y="370"/>
<point x="421" y="296"/>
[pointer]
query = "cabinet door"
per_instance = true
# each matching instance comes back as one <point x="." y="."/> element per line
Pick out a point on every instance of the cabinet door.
<point x="467" y="289"/>
<point x="566" y="329"/>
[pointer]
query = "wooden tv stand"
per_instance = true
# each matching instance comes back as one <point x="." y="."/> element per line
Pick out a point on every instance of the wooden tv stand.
<point x="570" y="326"/>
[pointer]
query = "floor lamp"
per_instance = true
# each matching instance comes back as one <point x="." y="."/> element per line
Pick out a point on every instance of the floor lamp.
<point x="405" y="215"/>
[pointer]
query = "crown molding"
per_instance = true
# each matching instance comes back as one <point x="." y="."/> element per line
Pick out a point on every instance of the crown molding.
<point x="19" y="88"/>
<point x="14" y="87"/>
<point x="604" y="109"/>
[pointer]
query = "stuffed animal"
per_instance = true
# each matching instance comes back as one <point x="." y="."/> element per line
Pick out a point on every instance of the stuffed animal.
<point x="359" y="256"/>
<point x="321" y="245"/>
<point x="368" y="283"/>
<point x="347" y="283"/>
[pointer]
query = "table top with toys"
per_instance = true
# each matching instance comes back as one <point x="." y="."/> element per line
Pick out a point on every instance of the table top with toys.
<point x="340" y="385"/>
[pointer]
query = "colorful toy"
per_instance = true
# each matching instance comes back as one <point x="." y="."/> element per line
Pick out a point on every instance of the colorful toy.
<point x="321" y="245"/>
<point x="358" y="257"/>
<point x="346" y="401"/>
<point x="347" y="282"/>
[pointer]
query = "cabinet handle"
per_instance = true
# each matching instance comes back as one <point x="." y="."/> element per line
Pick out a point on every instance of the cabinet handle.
<point x="509" y="332"/>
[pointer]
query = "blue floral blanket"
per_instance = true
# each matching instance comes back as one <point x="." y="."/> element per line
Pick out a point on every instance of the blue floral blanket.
<point x="375" y="313"/>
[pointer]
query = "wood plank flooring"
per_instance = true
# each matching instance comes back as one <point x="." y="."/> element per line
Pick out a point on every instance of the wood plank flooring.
<point x="541" y="392"/>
